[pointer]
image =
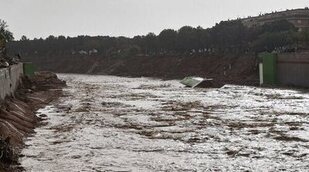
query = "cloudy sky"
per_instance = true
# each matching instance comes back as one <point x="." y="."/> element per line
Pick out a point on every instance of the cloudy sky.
<point x="41" y="18"/>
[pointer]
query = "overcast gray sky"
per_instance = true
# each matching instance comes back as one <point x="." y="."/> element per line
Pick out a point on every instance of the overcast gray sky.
<point x="41" y="18"/>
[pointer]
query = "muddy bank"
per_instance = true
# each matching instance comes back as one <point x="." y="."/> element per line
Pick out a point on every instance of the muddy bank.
<point x="224" y="69"/>
<point x="17" y="117"/>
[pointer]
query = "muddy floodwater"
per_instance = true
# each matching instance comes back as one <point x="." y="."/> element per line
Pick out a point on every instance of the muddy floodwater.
<point x="107" y="123"/>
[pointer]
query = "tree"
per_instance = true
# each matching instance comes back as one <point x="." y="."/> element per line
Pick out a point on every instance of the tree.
<point x="187" y="38"/>
<point x="271" y="41"/>
<point x="150" y="43"/>
<point x="279" y="34"/>
<point x="167" y="39"/>
<point x="278" y="26"/>
<point x="229" y="36"/>
<point x="51" y="38"/>
<point x="5" y="34"/>
<point x="24" y="38"/>
<point x="303" y="37"/>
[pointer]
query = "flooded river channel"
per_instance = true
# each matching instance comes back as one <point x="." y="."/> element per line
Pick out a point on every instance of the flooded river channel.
<point x="108" y="123"/>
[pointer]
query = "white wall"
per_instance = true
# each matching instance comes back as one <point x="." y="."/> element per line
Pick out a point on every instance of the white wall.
<point x="9" y="79"/>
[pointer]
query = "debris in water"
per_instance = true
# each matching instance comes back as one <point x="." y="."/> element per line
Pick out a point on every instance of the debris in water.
<point x="197" y="82"/>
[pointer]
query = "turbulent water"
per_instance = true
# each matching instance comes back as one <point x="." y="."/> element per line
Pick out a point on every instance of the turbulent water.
<point x="107" y="123"/>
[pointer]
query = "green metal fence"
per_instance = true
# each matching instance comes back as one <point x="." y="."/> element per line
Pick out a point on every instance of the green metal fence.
<point x="269" y="61"/>
<point x="29" y="69"/>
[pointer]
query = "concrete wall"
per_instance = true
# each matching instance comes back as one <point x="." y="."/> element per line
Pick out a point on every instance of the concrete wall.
<point x="293" y="69"/>
<point x="9" y="79"/>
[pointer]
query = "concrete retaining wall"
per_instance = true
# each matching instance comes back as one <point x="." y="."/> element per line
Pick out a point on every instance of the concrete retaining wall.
<point x="293" y="69"/>
<point x="9" y="79"/>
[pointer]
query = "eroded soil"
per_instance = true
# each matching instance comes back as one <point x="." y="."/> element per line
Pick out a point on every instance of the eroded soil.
<point x="106" y="123"/>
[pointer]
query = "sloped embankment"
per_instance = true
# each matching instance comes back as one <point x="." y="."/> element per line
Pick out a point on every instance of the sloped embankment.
<point x="226" y="69"/>
<point x="17" y="117"/>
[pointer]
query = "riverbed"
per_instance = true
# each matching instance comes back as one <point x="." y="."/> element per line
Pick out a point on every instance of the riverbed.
<point x="109" y="123"/>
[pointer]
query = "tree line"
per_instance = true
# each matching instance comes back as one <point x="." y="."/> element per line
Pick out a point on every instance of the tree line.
<point x="226" y="37"/>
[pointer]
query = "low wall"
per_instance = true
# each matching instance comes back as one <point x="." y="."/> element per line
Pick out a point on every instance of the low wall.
<point x="293" y="69"/>
<point x="9" y="79"/>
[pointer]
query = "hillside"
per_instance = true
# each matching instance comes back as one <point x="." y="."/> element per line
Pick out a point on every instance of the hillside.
<point x="226" y="52"/>
<point x="234" y="70"/>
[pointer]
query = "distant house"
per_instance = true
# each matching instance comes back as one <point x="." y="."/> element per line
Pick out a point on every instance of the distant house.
<point x="83" y="52"/>
<point x="93" y="51"/>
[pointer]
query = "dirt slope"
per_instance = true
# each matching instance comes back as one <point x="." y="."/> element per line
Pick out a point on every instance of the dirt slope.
<point x="233" y="70"/>
<point x="17" y="114"/>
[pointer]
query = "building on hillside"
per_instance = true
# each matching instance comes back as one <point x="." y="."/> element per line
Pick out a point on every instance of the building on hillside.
<point x="298" y="17"/>
<point x="93" y="51"/>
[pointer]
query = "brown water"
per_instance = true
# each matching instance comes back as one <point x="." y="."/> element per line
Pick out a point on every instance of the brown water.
<point x="107" y="123"/>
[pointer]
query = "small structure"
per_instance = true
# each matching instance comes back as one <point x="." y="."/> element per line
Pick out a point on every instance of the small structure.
<point x="197" y="82"/>
<point x="83" y="52"/>
<point x="93" y="51"/>
<point x="286" y="69"/>
<point x="29" y="69"/>
<point x="268" y="69"/>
